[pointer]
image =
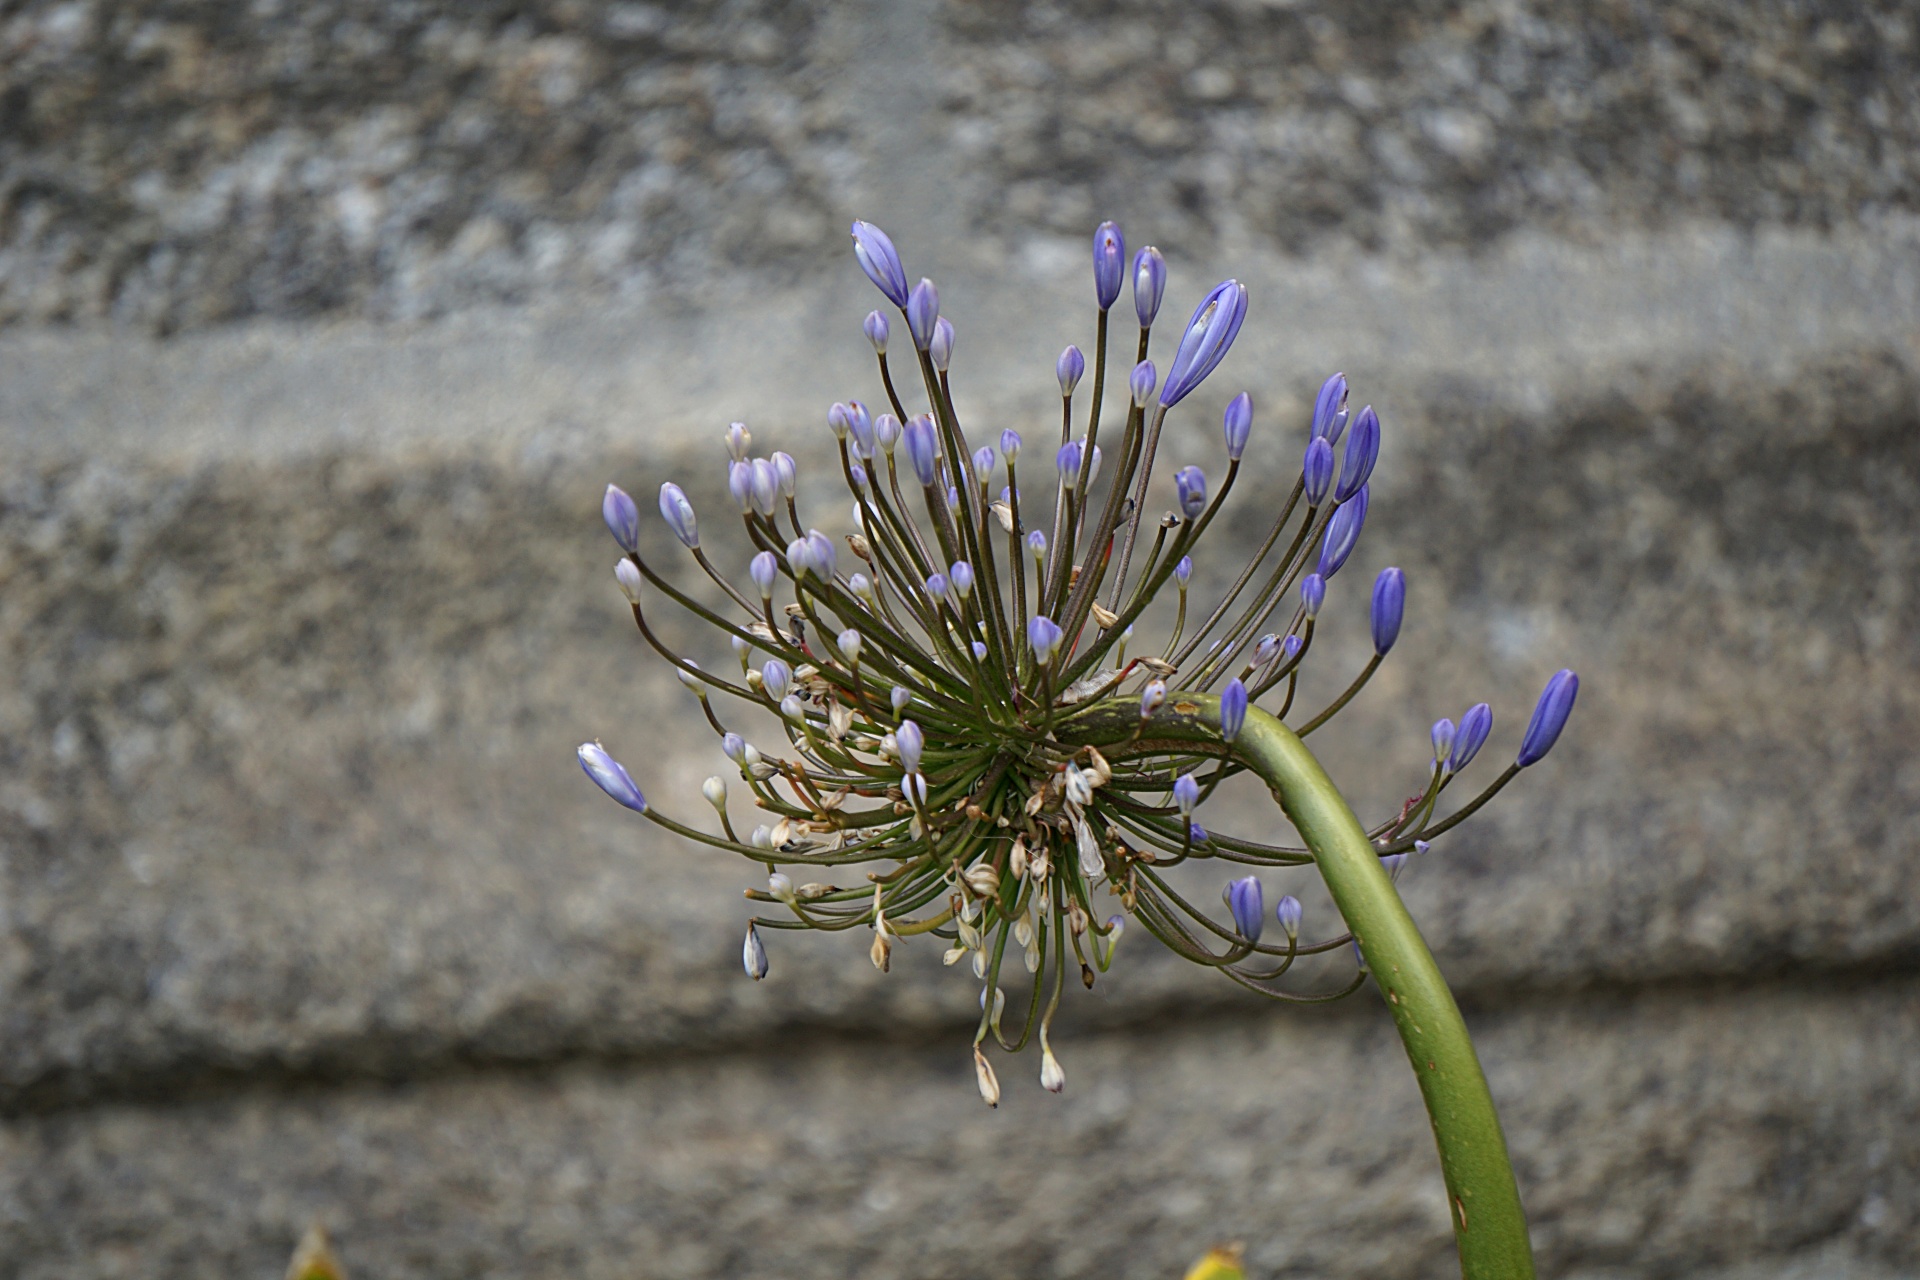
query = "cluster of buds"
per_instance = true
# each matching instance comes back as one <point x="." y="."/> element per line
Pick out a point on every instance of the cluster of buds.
<point x="935" y="675"/>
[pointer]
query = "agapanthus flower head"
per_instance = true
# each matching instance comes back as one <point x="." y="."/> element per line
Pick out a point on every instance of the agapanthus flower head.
<point x="981" y="711"/>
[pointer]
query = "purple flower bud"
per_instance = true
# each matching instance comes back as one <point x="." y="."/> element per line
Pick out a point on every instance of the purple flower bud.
<point x="766" y="487"/>
<point x="1069" y="368"/>
<point x="753" y="955"/>
<point x="1421" y="846"/>
<point x="734" y="747"/>
<point x="786" y="471"/>
<point x="1109" y="263"/>
<point x="1196" y="833"/>
<point x="961" y="575"/>
<point x="1248" y="907"/>
<point x="800" y="557"/>
<point x="900" y="697"/>
<point x="1183" y="572"/>
<point x="1313" y="594"/>
<point x="861" y="427"/>
<point x="1149" y="284"/>
<point x="1044" y="636"/>
<point x="1186" y="794"/>
<point x="910" y="742"/>
<point x="610" y="777"/>
<point x="1343" y="533"/>
<point x="1443" y="735"/>
<point x="1317" y="471"/>
<point x="850" y="644"/>
<point x="1153" y="695"/>
<point x="983" y="460"/>
<point x="1010" y="445"/>
<point x="763" y="570"/>
<point x="739" y="441"/>
<point x="881" y="262"/>
<point x="837" y="418"/>
<point x="1290" y="647"/>
<point x="1190" y="487"/>
<point x="1331" y="403"/>
<point x="1389" y="604"/>
<point x="937" y="587"/>
<point x="923" y="448"/>
<point x="1266" y="650"/>
<point x="776" y="677"/>
<point x="940" y="350"/>
<point x="886" y="433"/>
<point x="877" y="329"/>
<point x="1363" y="448"/>
<point x="1141" y="381"/>
<point x="1067" y="463"/>
<point x="823" y="553"/>
<point x="623" y="518"/>
<point x="1233" y="709"/>
<point x="1238" y="425"/>
<point x="923" y="308"/>
<point x="1215" y="324"/>
<point x="1549" y="717"/>
<point x="1037" y="545"/>
<point x="859" y="475"/>
<point x="678" y="513"/>
<point x="1287" y="912"/>
<point x="1475" y="725"/>
<point x="980" y="650"/>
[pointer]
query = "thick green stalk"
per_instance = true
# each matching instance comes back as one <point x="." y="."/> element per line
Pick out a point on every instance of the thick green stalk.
<point x="1489" y="1225"/>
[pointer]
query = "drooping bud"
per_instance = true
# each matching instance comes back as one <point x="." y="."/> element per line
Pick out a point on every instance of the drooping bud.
<point x="1215" y="324"/>
<point x="940" y="350"/>
<point x="1443" y="735"/>
<point x="923" y="448"/>
<point x="1140" y="383"/>
<point x="877" y="329"/>
<point x="787" y="472"/>
<point x="1330" y="410"/>
<point x="1069" y="369"/>
<point x="1153" y="695"/>
<point x="984" y="1077"/>
<point x="1247" y="904"/>
<point x="1190" y="486"/>
<point x="1183" y="571"/>
<point x="1475" y="725"/>
<point x="1044" y="636"/>
<point x="1233" y="709"/>
<point x="739" y="441"/>
<point x="1010" y="446"/>
<point x="1186" y="794"/>
<point x="628" y="577"/>
<point x="1316" y="473"/>
<point x="753" y="955"/>
<point x="1052" y="1078"/>
<point x="1109" y="263"/>
<point x="610" y="777"/>
<point x="960" y="574"/>
<point x="1389" y="605"/>
<point x="923" y="309"/>
<point x="1237" y="425"/>
<point x="1313" y="594"/>
<point x="1343" y="533"/>
<point x="877" y="257"/>
<point x="1149" y="284"/>
<point x="764" y="570"/>
<point x="1549" y="717"/>
<point x="622" y="517"/>
<point x="776" y="677"/>
<point x="1363" y="449"/>
<point x="1287" y="912"/>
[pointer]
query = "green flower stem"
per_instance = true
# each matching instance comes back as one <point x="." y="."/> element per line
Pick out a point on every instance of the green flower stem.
<point x="1489" y="1225"/>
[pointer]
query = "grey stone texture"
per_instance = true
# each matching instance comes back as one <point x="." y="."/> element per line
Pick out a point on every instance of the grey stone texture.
<point x="327" y="324"/>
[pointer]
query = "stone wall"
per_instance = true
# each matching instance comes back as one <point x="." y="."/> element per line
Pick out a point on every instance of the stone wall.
<point x="326" y="325"/>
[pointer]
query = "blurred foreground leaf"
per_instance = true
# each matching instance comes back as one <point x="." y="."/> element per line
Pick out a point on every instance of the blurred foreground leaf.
<point x="314" y="1260"/>
<point x="1221" y="1263"/>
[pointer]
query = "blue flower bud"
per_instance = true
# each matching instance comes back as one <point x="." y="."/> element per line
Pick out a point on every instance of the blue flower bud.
<point x="953" y="498"/>
<point x="881" y="262"/>
<point x="886" y="433"/>
<point x="1248" y="907"/>
<point x="940" y="350"/>
<point x="983" y="460"/>
<point x="1196" y="833"/>
<point x="1109" y="263"/>
<point x="1422" y="847"/>
<point x="800" y="557"/>
<point x="910" y="742"/>
<point x="937" y="587"/>
<point x="786" y="471"/>
<point x="1190" y="487"/>
<point x="766" y="487"/>
<point x="1389" y="605"/>
<point x="1317" y="471"/>
<point x="1238" y="425"/>
<point x="1009" y="447"/>
<point x="753" y="955"/>
<point x="740" y="484"/>
<point x="1149" y="284"/>
<point x="1183" y="572"/>
<point x="1215" y="324"/>
<point x="1233" y="709"/>
<point x="1330" y="404"/>
<point x="1141" y="381"/>
<point x="608" y="775"/>
<point x="1290" y="647"/>
<point x="1067" y="463"/>
<point x="776" y="677"/>
<point x="837" y="418"/>
<point x="1044" y="636"/>
<point x="739" y="441"/>
<point x="622" y="517"/>
<point x="1443" y="735"/>
<point x="900" y="697"/>
<point x="764" y="570"/>
<point x="1549" y="717"/>
<point x="877" y="329"/>
<point x="1186" y="794"/>
<point x="734" y="747"/>
<point x="1313" y="594"/>
<point x="823" y="554"/>
<point x="1287" y="912"/>
<point x="861" y="585"/>
<point x="860" y="478"/>
<point x="980" y="650"/>
<point x="1069" y="368"/>
<point x="860" y="426"/>
<point x="1343" y="533"/>
<point x="1475" y="725"/>
<point x="961" y="575"/>
<point x="923" y="448"/>
<point x="678" y="513"/>
<point x="1266" y="651"/>
<point x="1363" y="449"/>
<point x="1037" y="546"/>
<point x="923" y="308"/>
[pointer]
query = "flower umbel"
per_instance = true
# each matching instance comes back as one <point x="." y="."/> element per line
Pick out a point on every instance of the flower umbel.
<point x="965" y="728"/>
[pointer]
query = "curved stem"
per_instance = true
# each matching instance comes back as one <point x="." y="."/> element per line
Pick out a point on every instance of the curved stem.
<point x="1490" y="1227"/>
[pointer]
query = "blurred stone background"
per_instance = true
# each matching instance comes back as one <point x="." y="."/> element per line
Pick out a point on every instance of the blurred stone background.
<point x="325" y="324"/>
